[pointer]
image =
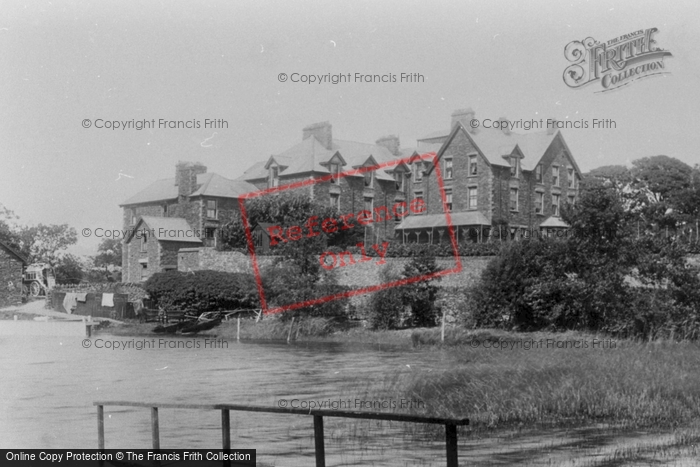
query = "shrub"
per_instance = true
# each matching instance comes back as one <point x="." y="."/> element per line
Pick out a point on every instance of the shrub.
<point x="545" y="283"/>
<point x="387" y="305"/>
<point x="454" y="303"/>
<point x="285" y="284"/>
<point x="406" y="305"/>
<point x="203" y="291"/>
<point x="420" y="296"/>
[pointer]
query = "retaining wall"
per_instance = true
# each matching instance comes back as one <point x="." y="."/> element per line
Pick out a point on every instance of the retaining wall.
<point x="352" y="275"/>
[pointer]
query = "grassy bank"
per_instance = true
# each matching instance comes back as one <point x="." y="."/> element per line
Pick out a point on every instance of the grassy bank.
<point x="276" y="329"/>
<point x="631" y="385"/>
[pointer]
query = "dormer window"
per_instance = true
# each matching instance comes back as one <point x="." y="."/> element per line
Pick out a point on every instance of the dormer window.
<point x="369" y="178"/>
<point x="513" y="166"/>
<point x="334" y="169"/>
<point x="418" y="171"/>
<point x="538" y="173"/>
<point x="400" y="179"/>
<point x="274" y="176"/>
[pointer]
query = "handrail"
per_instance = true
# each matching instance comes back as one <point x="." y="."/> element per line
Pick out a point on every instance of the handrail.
<point x="451" y="424"/>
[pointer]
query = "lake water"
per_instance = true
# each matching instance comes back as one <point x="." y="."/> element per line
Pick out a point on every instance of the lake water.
<point x="48" y="386"/>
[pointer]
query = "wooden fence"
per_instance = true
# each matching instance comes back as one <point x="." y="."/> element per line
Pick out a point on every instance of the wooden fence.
<point x="450" y="424"/>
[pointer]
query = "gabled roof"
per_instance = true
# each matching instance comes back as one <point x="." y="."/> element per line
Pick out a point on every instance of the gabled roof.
<point x="310" y="155"/>
<point x="494" y="144"/>
<point x="13" y="252"/>
<point x="440" y="220"/>
<point x="174" y="229"/>
<point x="209" y="184"/>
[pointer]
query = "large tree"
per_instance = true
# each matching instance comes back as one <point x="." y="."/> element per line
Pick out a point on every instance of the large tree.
<point x="664" y="184"/>
<point x="47" y="243"/>
<point x="109" y="253"/>
<point x="8" y="231"/>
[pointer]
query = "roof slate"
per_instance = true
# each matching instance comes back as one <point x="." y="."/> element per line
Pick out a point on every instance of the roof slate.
<point x="309" y="155"/>
<point x="209" y="184"/>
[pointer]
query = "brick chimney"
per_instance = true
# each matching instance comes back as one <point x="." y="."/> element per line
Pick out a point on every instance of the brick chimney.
<point x="186" y="177"/>
<point x="505" y="127"/>
<point x="463" y="116"/>
<point x="323" y="132"/>
<point x="551" y="126"/>
<point x="390" y="142"/>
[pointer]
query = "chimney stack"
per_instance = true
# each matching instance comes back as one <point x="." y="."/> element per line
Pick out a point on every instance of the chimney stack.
<point x="390" y="142"/>
<point x="323" y="132"/>
<point x="551" y="126"/>
<point x="505" y="127"/>
<point x="186" y="177"/>
<point x="463" y="116"/>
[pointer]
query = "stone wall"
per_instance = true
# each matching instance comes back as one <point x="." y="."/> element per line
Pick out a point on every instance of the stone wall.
<point x="10" y="279"/>
<point x="358" y="275"/>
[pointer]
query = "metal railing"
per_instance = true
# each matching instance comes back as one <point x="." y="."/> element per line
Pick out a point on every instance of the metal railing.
<point x="450" y="424"/>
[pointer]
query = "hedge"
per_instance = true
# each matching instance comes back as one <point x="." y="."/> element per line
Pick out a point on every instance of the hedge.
<point x="202" y="291"/>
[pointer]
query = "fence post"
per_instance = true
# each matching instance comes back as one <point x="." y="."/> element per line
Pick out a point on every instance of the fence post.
<point x="451" y="445"/>
<point x="100" y="427"/>
<point x="154" y="428"/>
<point x="291" y="325"/>
<point x="226" y="433"/>
<point x="318" y="438"/>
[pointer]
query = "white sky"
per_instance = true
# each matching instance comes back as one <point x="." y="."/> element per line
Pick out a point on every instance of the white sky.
<point x="62" y="62"/>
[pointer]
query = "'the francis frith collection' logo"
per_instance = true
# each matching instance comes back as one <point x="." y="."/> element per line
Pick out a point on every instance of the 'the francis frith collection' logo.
<point x="617" y="62"/>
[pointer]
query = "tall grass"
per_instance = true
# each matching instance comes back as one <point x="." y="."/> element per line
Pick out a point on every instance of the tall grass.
<point x="634" y="385"/>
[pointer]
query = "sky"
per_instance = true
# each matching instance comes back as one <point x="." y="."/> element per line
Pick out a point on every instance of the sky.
<point x="64" y="62"/>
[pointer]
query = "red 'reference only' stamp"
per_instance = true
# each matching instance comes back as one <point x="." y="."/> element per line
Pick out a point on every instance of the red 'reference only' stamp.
<point x="331" y="259"/>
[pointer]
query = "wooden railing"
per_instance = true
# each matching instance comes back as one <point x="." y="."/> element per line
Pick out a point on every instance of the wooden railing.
<point x="450" y="424"/>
